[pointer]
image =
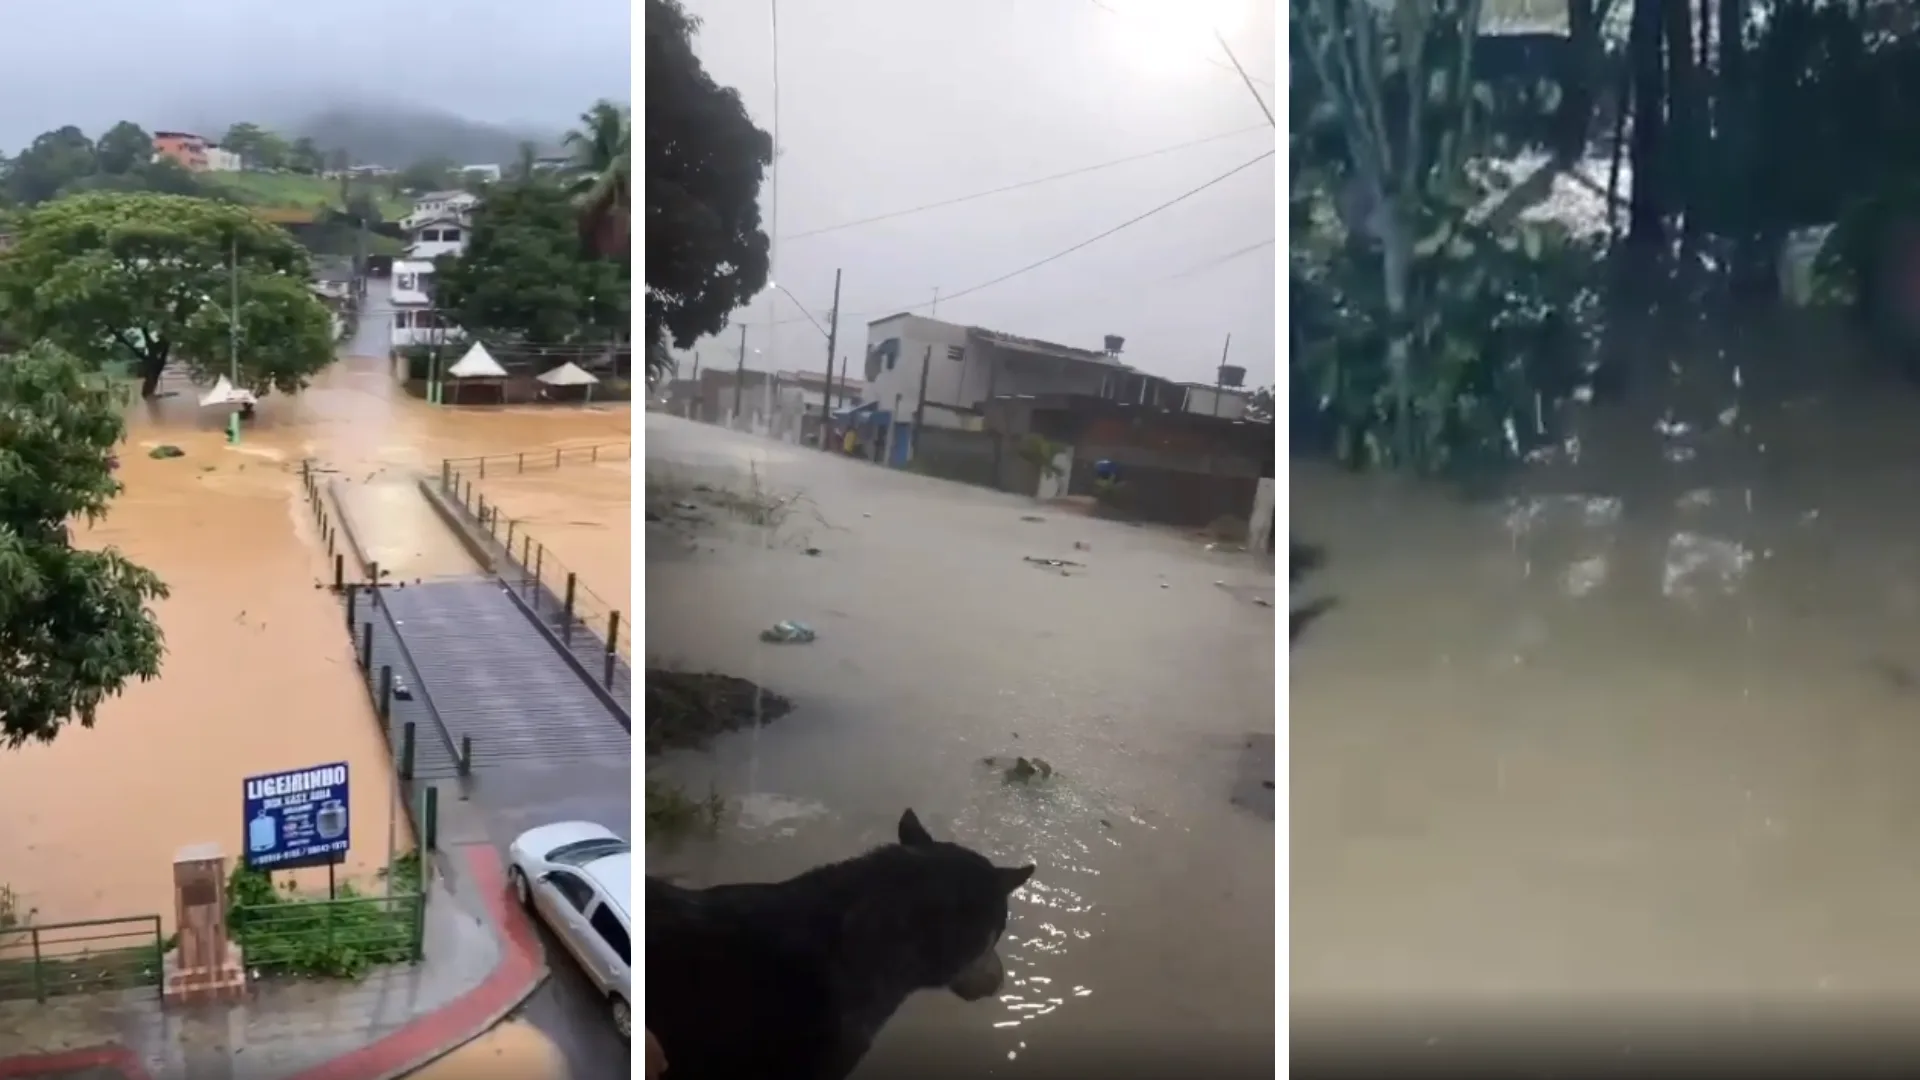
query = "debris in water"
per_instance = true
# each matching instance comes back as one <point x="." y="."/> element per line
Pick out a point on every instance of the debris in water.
<point x="1082" y="545"/>
<point x="1164" y="585"/>
<point x="1263" y="601"/>
<point x="1054" y="563"/>
<point x="788" y="632"/>
<point x="686" y="506"/>
<point x="651" y="516"/>
<point x="813" y="551"/>
<point x="866" y="515"/>
<point x="1023" y="770"/>
<point x="1031" y="517"/>
<point x="166" y="450"/>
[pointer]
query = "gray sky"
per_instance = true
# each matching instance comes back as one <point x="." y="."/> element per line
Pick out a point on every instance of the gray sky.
<point x="182" y="62"/>
<point x="891" y="104"/>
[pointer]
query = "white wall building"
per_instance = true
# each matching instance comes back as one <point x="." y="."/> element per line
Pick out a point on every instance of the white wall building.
<point x="414" y="320"/>
<point x="808" y="391"/>
<point x="434" y="235"/>
<point x="965" y="365"/>
<point x="441" y="202"/>
<point x="220" y="159"/>
<point x="1225" y="402"/>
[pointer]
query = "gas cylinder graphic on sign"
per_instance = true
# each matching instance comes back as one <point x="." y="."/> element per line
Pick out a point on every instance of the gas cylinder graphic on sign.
<point x="331" y="821"/>
<point x="262" y="832"/>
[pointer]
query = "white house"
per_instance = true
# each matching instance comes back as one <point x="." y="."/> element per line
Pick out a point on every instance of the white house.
<point x="486" y="173"/>
<point x="441" y="202"/>
<point x="965" y="365"/>
<point x="415" y="322"/>
<point x="436" y="234"/>
<point x="1225" y="402"/>
<point x="221" y="159"/>
<point x="808" y="390"/>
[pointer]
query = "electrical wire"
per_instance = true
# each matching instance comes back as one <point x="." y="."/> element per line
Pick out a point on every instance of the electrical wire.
<point x="1224" y="67"/>
<point x="1088" y="242"/>
<point x="1084" y="170"/>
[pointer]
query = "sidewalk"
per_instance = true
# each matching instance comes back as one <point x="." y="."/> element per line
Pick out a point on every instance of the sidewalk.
<point x="482" y="960"/>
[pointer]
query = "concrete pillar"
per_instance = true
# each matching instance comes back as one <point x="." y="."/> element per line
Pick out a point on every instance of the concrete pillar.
<point x="1260" y="525"/>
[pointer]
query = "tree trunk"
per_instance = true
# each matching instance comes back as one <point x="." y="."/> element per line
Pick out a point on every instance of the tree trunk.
<point x="152" y="363"/>
<point x="1681" y="184"/>
<point x="1584" y="70"/>
<point x="1646" y="215"/>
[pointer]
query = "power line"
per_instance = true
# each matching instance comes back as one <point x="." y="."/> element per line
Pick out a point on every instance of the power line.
<point x="1208" y="59"/>
<point x="1058" y="255"/>
<point x="1219" y="259"/>
<point x="1129" y="159"/>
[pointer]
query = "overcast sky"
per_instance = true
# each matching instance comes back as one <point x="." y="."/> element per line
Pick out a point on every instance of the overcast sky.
<point x="892" y="104"/>
<point x="179" y="63"/>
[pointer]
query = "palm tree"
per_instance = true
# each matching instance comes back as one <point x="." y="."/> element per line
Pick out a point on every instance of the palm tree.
<point x="601" y="177"/>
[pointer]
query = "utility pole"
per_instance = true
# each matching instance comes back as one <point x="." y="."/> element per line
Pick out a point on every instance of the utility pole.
<point x="1218" y="386"/>
<point x="920" y="406"/>
<point x="935" y="313"/>
<point x="233" y="335"/>
<point x="739" y="375"/>
<point x="833" y="341"/>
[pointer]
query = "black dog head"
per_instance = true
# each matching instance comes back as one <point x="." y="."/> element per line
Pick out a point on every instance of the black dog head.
<point x="956" y="901"/>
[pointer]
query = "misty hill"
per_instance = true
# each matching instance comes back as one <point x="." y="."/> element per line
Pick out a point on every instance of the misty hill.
<point x="402" y="137"/>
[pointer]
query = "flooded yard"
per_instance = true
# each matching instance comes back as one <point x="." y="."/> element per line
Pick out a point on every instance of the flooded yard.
<point x="1149" y="927"/>
<point x="259" y="674"/>
<point x="1645" y="722"/>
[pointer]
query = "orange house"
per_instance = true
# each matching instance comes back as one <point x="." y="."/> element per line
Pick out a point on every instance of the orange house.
<point x="187" y="150"/>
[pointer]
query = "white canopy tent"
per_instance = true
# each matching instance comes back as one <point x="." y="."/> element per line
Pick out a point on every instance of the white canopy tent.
<point x="571" y="374"/>
<point x="225" y="393"/>
<point x="477" y="364"/>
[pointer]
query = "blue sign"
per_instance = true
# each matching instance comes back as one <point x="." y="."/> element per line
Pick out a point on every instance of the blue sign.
<point x="297" y="818"/>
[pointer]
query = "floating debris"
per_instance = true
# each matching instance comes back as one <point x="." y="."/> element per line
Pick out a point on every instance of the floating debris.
<point x="788" y="632"/>
<point x="1031" y="517"/>
<point x="1056" y="564"/>
<point x="166" y="450"/>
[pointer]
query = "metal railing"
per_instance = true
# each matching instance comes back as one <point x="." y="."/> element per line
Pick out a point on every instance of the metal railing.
<point x="532" y="460"/>
<point x="84" y="957"/>
<point x="549" y="586"/>
<point x="291" y="935"/>
<point x="379" y="682"/>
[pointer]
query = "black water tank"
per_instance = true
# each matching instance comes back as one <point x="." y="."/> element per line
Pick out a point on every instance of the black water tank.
<point x="1231" y="375"/>
<point x="1114" y="343"/>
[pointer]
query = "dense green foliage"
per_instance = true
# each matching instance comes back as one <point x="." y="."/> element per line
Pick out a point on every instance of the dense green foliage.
<point x="142" y="279"/>
<point x="527" y="278"/>
<point x="706" y="252"/>
<point x="74" y="623"/>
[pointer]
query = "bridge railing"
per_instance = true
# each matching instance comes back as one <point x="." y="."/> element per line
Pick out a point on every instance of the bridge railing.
<point x="533" y="460"/>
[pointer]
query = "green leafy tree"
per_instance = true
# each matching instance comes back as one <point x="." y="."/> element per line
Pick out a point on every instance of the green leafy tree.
<point x="706" y="252"/>
<point x="525" y="276"/>
<point x="75" y="624"/>
<point x="55" y="159"/>
<point x="125" y="147"/>
<point x="305" y="156"/>
<point x="245" y="139"/>
<point x="433" y="174"/>
<point x="136" y="277"/>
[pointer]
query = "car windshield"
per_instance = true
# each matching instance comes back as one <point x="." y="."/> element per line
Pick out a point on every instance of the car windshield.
<point x="582" y="852"/>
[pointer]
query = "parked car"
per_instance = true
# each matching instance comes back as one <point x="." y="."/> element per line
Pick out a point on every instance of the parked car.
<point x="577" y="877"/>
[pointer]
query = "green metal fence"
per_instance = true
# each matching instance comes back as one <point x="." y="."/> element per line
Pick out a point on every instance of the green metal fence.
<point x="85" y="957"/>
<point x="341" y="937"/>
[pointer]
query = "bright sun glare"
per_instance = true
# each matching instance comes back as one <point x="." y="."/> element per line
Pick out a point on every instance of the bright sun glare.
<point x="1165" y="36"/>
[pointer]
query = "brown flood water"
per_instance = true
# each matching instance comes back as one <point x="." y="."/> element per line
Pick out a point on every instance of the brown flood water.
<point x="582" y="513"/>
<point x="1646" y="723"/>
<point x="258" y="674"/>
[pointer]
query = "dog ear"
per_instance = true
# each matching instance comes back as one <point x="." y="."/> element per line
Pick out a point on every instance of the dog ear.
<point x="912" y="833"/>
<point x="1012" y="877"/>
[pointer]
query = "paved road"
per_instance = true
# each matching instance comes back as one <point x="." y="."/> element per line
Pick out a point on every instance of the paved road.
<point x="1144" y="674"/>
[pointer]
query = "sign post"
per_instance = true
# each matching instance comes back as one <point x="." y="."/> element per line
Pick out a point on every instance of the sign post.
<point x="297" y="818"/>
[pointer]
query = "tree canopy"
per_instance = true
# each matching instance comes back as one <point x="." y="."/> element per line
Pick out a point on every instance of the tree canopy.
<point x="706" y="252"/>
<point x="145" y="279"/>
<point x="526" y="278"/>
<point x="74" y="624"/>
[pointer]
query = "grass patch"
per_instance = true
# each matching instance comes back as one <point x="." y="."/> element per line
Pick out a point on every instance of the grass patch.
<point x="672" y="813"/>
<point x="293" y="191"/>
<point x="686" y="709"/>
<point x="286" y="933"/>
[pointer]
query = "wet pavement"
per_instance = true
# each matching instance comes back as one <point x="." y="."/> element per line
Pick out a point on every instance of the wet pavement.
<point x="1149" y="927"/>
<point x="258" y="675"/>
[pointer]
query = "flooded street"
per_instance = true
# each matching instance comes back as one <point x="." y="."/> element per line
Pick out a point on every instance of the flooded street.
<point x="1148" y="928"/>
<point x="258" y="674"/>
<point x="1667" y="694"/>
<point x="582" y="512"/>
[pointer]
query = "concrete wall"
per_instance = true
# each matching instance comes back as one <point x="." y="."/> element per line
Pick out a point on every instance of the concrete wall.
<point x="916" y="335"/>
<point x="965" y="456"/>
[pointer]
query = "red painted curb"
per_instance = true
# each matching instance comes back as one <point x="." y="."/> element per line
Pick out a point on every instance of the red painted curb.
<point x="420" y="1041"/>
<point x="118" y="1058"/>
<point x="464" y="1018"/>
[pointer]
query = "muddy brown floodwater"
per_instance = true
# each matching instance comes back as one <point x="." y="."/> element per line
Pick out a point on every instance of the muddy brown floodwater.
<point x="582" y="512"/>
<point x="1643" y="724"/>
<point x="258" y="675"/>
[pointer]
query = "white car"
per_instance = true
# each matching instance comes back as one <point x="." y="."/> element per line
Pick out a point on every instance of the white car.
<point x="578" y="877"/>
